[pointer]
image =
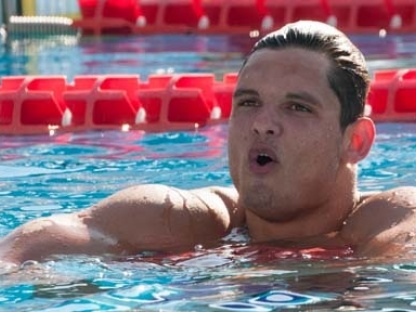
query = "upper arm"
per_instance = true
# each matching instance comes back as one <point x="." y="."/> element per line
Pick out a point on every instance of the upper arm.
<point x="383" y="223"/>
<point x="144" y="217"/>
<point x="159" y="217"/>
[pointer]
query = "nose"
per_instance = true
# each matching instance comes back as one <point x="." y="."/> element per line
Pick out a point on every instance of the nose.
<point x="266" y="124"/>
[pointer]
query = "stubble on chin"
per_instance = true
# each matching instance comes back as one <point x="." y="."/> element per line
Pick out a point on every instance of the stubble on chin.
<point x="258" y="199"/>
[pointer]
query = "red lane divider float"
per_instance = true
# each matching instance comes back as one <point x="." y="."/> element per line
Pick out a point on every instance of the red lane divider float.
<point x="241" y="16"/>
<point x="392" y="95"/>
<point x="42" y="104"/>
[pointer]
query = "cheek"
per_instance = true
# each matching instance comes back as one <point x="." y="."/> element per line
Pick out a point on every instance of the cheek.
<point x="325" y="155"/>
<point x="232" y="145"/>
<point x="235" y="172"/>
<point x="237" y="134"/>
<point x="232" y="139"/>
<point x="317" y="151"/>
<point x="237" y="139"/>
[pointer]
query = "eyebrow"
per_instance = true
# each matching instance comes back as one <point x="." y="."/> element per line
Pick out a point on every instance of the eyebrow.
<point x="240" y="92"/>
<point x="305" y="96"/>
<point x="301" y="95"/>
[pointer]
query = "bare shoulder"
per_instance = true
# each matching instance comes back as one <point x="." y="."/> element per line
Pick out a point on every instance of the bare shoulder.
<point x="405" y="195"/>
<point x="226" y="197"/>
<point x="139" y="197"/>
<point x="153" y="216"/>
<point x="382" y="221"/>
<point x="143" y="217"/>
<point x="158" y="192"/>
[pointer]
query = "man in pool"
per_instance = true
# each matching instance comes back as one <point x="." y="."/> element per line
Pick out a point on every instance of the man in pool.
<point x="296" y="134"/>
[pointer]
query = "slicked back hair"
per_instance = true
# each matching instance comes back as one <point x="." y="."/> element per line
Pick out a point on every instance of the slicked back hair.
<point x="348" y="76"/>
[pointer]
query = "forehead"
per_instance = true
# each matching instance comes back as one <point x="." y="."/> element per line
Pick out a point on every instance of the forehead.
<point x="287" y="70"/>
<point x="287" y="62"/>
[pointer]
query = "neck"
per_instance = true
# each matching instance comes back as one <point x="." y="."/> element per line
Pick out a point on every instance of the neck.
<point x="323" y="219"/>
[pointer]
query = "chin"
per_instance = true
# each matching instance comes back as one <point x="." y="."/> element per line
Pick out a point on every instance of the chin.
<point x="272" y="215"/>
<point x="256" y="198"/>
<point x="263" y="202"/>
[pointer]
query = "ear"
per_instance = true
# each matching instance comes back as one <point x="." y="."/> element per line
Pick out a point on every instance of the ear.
<point x="359" y="137"/>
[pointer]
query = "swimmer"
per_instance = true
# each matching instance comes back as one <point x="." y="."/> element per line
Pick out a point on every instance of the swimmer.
<point x="296" y="134"/>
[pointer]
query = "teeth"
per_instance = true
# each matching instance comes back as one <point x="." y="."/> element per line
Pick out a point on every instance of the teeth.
<point x="264" y="155"/>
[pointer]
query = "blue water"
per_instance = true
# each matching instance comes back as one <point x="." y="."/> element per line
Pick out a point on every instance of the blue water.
<point x="145" y="55"/>
<point x="42" y="175"/>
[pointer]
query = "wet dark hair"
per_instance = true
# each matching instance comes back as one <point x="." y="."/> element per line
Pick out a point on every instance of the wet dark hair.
<point x="348" y="76"/>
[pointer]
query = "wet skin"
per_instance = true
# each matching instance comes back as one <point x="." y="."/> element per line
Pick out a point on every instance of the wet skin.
<point x="294" y="171"/>
<point x="291" y="118"/>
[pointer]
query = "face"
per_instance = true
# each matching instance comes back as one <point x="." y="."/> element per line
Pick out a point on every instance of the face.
<point x="285" y="140"/>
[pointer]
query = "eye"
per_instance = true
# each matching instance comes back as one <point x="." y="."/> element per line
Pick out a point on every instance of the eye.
<point x="247" y="103"/>
<point x="299" y="107"/>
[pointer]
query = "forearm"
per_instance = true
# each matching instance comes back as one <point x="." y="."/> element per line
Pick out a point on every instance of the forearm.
<point x="61" y="234"/>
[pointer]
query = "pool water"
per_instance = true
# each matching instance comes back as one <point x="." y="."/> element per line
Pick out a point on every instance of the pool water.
<point x="71" y="56"/>
<point x="42" y="175"/>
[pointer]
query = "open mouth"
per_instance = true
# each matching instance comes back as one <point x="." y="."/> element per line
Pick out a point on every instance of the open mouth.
<point x="263" y="159"/>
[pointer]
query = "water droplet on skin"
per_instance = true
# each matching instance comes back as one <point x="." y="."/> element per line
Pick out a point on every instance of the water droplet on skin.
<point x="29" y="263"/>
<point x="198" y="247"/>
<point x="361" y="288"/>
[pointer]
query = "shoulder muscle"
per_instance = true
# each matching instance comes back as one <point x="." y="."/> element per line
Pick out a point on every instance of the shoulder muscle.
<point x="161" y="217"/>
<point x="383" y="221"/>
